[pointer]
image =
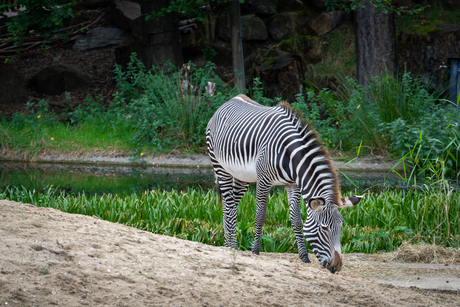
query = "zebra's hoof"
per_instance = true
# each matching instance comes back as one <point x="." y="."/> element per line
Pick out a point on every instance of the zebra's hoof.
<point x="256" y="253"/>
<point x="306" y="260"/>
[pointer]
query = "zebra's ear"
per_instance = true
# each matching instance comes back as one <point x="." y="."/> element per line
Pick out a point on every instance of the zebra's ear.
<point x="316" y="203"/>
<point x="350" y="201"/>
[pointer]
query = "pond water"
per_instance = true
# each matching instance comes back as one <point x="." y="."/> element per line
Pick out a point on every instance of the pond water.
<point x="95" y="179"/>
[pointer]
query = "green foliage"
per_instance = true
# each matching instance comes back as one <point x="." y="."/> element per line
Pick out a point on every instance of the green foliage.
<point x="380" y="222"/>
<point x="165" y="110"/>
<point x="324" y="126"/>
<point x="426" y="28"/>
<point x="381" y="6"/>
<point x="191" y="8"/>
<point x="39" y="18"/>
<point x="364" y="112"/>
<point x="437" y="13"/>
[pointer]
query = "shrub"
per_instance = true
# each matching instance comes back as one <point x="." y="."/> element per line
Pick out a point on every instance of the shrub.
<point x="39" y="18"/>
<point x="158" y="108"/>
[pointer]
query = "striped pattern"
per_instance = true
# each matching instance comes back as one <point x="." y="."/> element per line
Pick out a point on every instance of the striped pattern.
<point x="248" y="142"/>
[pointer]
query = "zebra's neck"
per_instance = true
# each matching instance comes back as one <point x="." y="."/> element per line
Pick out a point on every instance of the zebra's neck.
<point x="310" y="166"/>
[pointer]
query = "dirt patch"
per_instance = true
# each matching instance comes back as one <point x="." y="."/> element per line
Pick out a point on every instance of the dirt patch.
<point x="48" y="257"/>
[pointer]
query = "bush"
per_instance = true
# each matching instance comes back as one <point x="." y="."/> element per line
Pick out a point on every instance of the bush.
<point x="157" y="108"/>
<point x="39" y="18"/>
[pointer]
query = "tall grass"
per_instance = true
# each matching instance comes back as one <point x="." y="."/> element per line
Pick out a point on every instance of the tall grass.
<point x="381" y="222"/>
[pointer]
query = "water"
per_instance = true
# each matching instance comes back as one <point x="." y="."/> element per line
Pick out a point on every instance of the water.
<point x="122" y="180"/>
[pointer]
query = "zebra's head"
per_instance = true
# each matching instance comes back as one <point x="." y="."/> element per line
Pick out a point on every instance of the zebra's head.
<point x="323" y="227"/>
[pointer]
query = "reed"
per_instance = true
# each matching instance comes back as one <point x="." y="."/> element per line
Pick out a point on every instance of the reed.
<point x="381" y="222"/>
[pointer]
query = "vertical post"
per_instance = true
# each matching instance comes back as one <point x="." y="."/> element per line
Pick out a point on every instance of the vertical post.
<point x="453" y="84"/>
<point x="237" y="46"/>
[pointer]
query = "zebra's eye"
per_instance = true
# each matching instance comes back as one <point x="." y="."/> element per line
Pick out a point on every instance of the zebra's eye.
<point x="325" y="228"/>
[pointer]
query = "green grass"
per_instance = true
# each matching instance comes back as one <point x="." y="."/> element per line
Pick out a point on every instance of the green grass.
<point x="45" y="138"/>
<point x="381" y="222"/>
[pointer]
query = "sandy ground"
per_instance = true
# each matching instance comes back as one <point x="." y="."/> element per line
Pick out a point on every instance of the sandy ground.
<point x="51" y="258"/>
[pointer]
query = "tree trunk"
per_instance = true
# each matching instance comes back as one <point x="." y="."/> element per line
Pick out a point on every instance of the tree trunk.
<point x="236" y="44"/>
<point x="161" y="36"/>
<point x="375" y="43"/>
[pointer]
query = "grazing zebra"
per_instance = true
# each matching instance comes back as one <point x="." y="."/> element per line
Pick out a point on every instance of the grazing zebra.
<point x="248" y="142"/>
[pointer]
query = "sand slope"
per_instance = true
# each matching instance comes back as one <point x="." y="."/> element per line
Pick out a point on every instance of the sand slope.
<point x="51" y="258"/>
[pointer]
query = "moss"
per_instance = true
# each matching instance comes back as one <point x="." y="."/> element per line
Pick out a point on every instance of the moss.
<point x="310" y="85"/>
<point x="426" y="28"/>
<point x="270" y="62"/>
<point x="297" y="44"/>
<point x="306" y="11"/>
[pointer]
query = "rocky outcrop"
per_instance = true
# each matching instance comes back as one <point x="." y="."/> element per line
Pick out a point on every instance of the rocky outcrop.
<point x="252" y="28"/>
<point x="125" y="13"/>
<point x="326" y="22"/>
<point x="286" y="24"/>
<point x="283" y="76"/>
<point x="59" y="78"/>
<point x="100" y="37"/>
<point x="13" y="90"/>
<point x="426" y="54"/>
<point x="261" y="6"/>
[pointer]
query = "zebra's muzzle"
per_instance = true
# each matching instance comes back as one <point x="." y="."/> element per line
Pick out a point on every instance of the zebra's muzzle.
<point x="331" y="268"/>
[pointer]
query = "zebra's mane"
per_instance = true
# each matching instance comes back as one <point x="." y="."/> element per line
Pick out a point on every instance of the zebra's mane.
<point x="304" y="127"/>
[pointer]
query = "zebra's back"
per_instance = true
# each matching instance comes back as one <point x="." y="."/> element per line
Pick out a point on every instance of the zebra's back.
<point x="240" y="133"/>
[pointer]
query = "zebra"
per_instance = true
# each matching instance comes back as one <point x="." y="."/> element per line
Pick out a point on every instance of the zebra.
<point x="248" y="142"/>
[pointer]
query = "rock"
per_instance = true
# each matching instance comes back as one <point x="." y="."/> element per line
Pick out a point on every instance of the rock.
<point x="13" y="90"/>
<point x="197" y="59"/>
<point x="453" y="4"/>
<point x="314" y="45"/>
<point x="59" y="78"/>
<point x="124" y="13"/>
<point x="100" y="37"/>
<point x="319" y="4"/>
<point x="425" y="55"/>
<point x="261" y="6"/>
<point x="252" y="28"/>
<point x="197" y="35"/>
<point x="286" y="24"/>
<point x="326" y="22"/>
<point x="282" y="76"/>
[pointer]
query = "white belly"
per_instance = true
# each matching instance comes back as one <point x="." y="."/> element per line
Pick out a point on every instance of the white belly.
<point x="244" y="172"/>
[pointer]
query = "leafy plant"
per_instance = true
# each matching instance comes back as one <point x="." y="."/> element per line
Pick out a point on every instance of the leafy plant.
<point x="41" y="18"/>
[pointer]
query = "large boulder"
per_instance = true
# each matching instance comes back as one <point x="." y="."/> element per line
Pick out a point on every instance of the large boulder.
<point x="287" y="24"/>
<point x="425" y="50"/>
<point x="195" y="35"/>
<point x="59" y="78"/>
<point x="13" y="90"/>
<point x="100" y="37"/>
<point x="125" y="13"/>
<point x="252" y="28"/>
<point x="282" y="76"/>
<point x="261" y="6"/>
<point x="326" y="22"/>
<point x="453" y="4"/>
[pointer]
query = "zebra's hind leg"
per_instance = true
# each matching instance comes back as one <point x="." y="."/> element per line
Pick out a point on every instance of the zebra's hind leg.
<point x="262" y="190"/>
<point x="293" y="193"/>
<point x="229" y="207"/>
<point x="239" y="189"/>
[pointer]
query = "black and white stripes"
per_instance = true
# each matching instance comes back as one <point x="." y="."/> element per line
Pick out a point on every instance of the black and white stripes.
<point x="248" y="142"/>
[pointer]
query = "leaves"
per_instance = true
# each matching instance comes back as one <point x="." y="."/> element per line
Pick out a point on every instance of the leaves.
<point x="40" y="18"/>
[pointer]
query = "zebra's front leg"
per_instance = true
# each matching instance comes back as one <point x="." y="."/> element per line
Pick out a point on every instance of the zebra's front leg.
<point x="293" y="193"/>
<point x="229" y="209"/>
<point x="262" y="190"/>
